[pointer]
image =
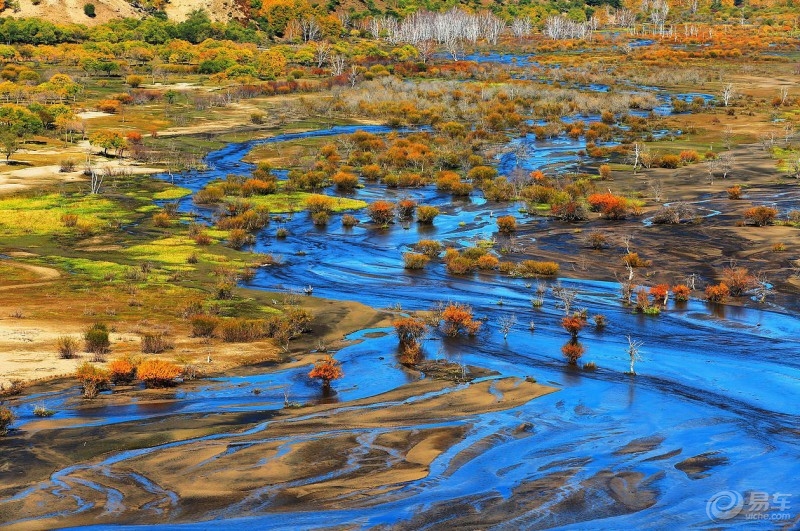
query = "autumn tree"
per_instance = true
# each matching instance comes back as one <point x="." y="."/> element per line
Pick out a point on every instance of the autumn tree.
<point x="108" y="140"/>
<point x="409" y="331"/>
<point x="270" y="64"/>
<point x="326" y="370"/>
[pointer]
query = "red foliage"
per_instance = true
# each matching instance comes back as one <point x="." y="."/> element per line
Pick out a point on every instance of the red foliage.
<point x="610" y="205"/>
<point x="660" y="293"/>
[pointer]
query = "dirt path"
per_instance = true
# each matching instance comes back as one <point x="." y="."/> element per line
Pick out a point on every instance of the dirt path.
<point x="46" y="275"/>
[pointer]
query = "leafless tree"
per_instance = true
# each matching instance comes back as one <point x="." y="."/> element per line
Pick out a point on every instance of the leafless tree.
<point x="655" y="189"/>
<point x="659" y="9"/>
<point x="507" y="323"/>
<point x="521" y="27"/>
<point x="565" y="295"/>
<point x="310" y="29"/>
<point x="728" y="93"/>
<point x="337" y="64"/>
<point x="633" y="352"/>
<point x="322" y="52"/>
<point x="725" y="162"/>
<point x="425" y="48"/>
<point x="636" y="155"/>
<point x="352" y="76"/>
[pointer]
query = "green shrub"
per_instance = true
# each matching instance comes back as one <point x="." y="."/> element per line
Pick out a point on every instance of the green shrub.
<point x="96" y="339"/>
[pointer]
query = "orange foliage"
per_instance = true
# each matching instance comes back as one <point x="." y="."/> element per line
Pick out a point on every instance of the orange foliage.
<point x="122" y="370"/>
<point x="573" y="324"/>
<point x="327" y="369"/>
<point x="681" y="292"/>
<point x="718" y="293"/>
<point x="572" y="351"/>
<point x="660" y="293"/>
<point x="610" y="205"/>
<point x="157" y="373"/>
<point x="457" y="318"/>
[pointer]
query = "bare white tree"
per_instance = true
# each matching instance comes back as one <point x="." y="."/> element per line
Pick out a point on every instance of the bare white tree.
<point x="352" y="76"/>
<point x="728" y="93"/>
<point x="507" y="323"/>
<point x="322" y="53"/>
<point x="521" y="27"/>
<point x="337" y="64"/>
<point x="565" y="295"/>
<point x="633" y="352"/>
<point x="310" y="29"/>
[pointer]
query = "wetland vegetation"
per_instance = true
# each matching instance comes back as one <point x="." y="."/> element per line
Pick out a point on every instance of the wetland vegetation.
<point x="533" y="266"/>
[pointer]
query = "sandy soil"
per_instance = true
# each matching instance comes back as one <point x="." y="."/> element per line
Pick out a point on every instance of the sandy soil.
<point x="16" y="180"/>
<point x="311" y="455"/>
<point x="62" y="11"/>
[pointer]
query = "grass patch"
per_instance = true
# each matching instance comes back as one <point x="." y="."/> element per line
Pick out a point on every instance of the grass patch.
<point x="92" y="269"/>
<point x="41" y="215"/>
<point x="295" y="201"/>
<point x="173" y="192"/>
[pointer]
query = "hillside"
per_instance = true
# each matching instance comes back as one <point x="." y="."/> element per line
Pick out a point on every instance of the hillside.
<point x="71" y="11"/>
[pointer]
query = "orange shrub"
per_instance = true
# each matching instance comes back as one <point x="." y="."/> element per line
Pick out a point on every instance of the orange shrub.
<point x="319" y="203"/>
<point x="92" y="378"/>
<point x="681" y="292"/>
<point x="430" y="248"/>
<point x="122" y="370"/>
<point x="381" y="212"/>
<point x="157" y="373"/>
<point x="633" y="260"/>
<point x="409" y="329"/>
<point x="426" y="214"/>
<point x="605" y="172"/>
<point x="406" y="207"/>
<point x="660" y="293"/>
<point x="718" y="293"/>
<point x="689" y="156"/>
<point x="487" y="262"/>
<point x="507" y="224"/>
<point x="109" y="106"/>
<point x="760" y="215"/>
<point x="738" y="280"/>
<point x="459" y="265"/>
<point x="415" y="260"/>
<point x="734" y="192"/>
<point x="531" y="268"/>
<point x="572" y="351"/>
<point x="258" y="187"/>
<point x="573" y="324"/>
<point x="457" y="319"/>
<point x="345" y="181"/>
<point x="610" y="205"/>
